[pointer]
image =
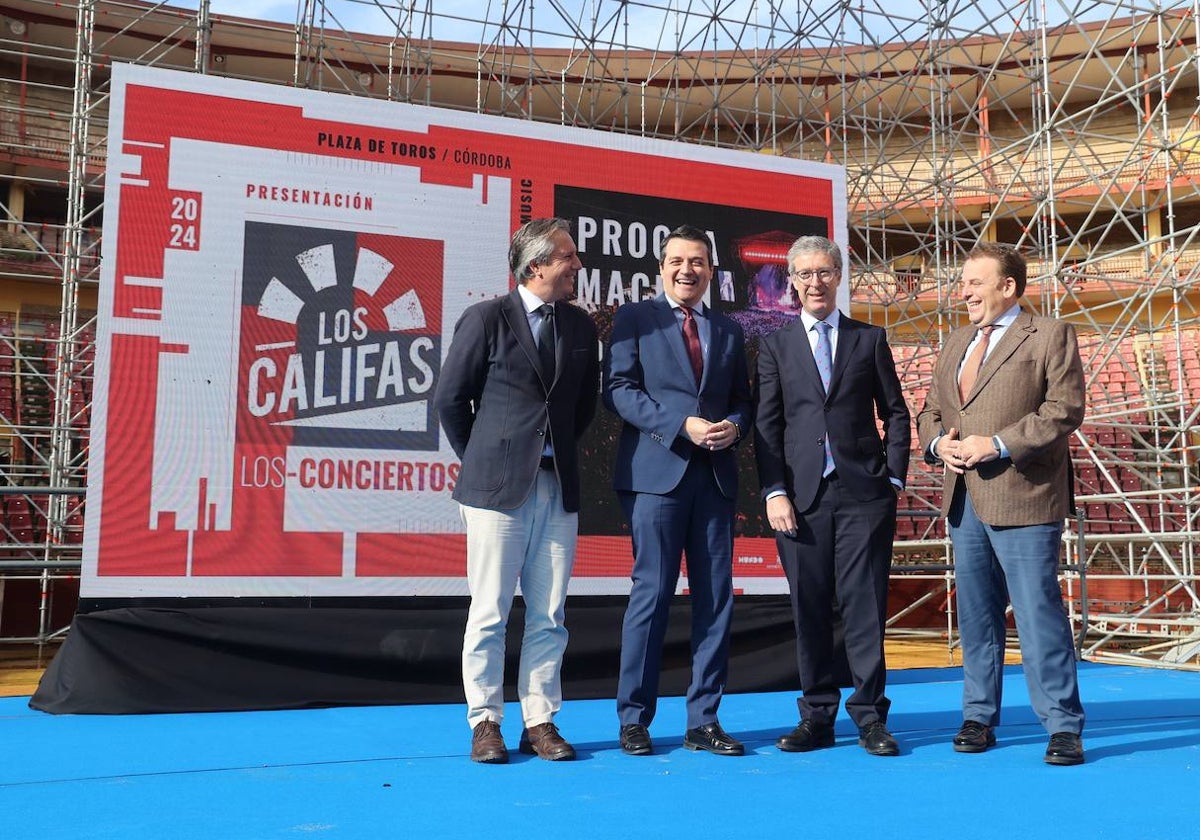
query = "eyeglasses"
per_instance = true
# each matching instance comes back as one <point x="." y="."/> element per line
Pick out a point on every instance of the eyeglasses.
<point x="823" y="275"/>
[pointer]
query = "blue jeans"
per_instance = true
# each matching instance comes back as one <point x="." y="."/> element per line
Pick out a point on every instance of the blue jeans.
<point x="991" y="566"/>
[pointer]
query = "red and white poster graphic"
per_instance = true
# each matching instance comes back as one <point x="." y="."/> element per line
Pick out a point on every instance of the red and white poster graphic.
<point x="282" y="273"/>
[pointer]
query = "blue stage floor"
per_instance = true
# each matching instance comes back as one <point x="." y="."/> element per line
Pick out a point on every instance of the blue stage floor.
<point x="403" y="772"/>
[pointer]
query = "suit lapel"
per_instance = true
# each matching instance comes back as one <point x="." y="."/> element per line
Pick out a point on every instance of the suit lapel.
<point x="958" y="355"/>
<point x="669" y="324"/>
<point x="1018" y="332"/>
<point x="716" y="344"/>
<point x="848" y="336"/>
<point x="1014" y="336"/>
<point x="513" y="311"/>
<point x="807" y="367"/>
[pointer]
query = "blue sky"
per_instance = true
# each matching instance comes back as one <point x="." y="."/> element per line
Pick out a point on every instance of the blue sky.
<point x="460" y="20"/>
<point x="648" y="24"/>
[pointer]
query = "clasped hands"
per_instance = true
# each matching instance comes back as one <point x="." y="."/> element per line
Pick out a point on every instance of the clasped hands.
<point x="966" y="454"/>
<point x="711" y="436"/>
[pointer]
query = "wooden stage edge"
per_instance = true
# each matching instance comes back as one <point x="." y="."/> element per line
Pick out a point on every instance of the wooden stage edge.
<point x="22" y="664"/>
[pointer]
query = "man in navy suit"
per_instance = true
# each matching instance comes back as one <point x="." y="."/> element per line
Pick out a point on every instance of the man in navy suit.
<point x="830" y="485"/>
<point x="517" y="390"/>
<point x="677" y="376"/>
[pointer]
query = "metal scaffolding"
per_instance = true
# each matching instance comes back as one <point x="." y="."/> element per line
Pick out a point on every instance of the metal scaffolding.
<point x="1070" y="129"/>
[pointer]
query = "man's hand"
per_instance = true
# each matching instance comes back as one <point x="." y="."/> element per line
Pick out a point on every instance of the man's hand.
<point x="966" y="454"/>
<point x="974" y="450"/>
<point x="947" y="450"/>
<point x="781" y="514"/>
<point x="710" y="436"/>
<point x="697" y="428"/>
<point x="721" y="436"/>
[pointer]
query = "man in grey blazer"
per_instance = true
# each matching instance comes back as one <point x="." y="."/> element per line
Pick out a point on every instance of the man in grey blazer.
<point x="1007" y="393"/>
<point x="518" y="389"/>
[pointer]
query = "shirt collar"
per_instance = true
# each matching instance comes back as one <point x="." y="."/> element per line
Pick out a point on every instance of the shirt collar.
<point x="531" y="301"/>
<point x="1006" y="320"/>
<point x="809" y="321"/>
<point x="698" y="309"/>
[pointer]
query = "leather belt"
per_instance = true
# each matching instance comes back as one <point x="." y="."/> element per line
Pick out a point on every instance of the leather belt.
<point x="547" y="462"/>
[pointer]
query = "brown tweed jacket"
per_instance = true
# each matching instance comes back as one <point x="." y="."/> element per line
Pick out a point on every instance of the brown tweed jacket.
<point x="1030" y="392"/>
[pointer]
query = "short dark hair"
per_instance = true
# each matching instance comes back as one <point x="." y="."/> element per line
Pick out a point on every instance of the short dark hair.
<point x="533" y="243"/>
<point x="1012" y="263"/>
<point x="692" y="234"/>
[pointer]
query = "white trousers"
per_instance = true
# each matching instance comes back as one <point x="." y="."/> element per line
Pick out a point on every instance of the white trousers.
<point x="533" y="544"/>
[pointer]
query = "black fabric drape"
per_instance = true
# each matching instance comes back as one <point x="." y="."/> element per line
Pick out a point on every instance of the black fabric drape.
<point x="177" y="657"/>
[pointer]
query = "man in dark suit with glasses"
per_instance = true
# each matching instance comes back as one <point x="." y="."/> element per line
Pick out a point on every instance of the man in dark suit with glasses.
<point x="830" y="485"/>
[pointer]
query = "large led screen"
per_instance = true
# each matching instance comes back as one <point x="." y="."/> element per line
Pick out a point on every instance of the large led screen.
<point x="282" y="273"/>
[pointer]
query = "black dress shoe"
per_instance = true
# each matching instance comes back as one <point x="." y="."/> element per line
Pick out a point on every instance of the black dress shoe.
<point x="875" y="739"/>
<point x="635" y="739"/>
<point x="1065" y="748"/>
<point x="974" y="737"/>
<point x="712" y="738"/>
<point x="806" y="737"/>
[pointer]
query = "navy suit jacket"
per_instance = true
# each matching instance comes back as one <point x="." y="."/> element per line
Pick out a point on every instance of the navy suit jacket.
<point x="649" y="383"/>
<point x="795" y="414"/>
<point x="496" y="410"/>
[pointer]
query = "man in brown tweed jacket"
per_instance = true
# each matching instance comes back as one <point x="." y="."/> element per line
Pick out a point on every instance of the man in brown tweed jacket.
<point x="1007" y="393"/>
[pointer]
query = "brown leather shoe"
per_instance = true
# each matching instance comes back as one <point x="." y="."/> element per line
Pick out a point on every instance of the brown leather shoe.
<point x="487" y="746"/>
<point x="544" y="740"/>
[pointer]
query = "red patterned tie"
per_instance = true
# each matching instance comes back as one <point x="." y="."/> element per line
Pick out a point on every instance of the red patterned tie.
<point x="691" y="337"/>
<point x="970" y="368"/>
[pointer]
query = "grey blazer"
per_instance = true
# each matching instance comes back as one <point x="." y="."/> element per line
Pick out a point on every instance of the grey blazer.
<point x="1030" y="392"/>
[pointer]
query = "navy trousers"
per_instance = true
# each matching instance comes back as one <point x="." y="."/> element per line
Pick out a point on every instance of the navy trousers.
<point x="695" y="520"/>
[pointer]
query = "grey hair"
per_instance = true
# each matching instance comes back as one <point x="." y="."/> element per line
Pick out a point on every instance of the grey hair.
<point x="533" y="243"/>
<point x="816" y="245"/>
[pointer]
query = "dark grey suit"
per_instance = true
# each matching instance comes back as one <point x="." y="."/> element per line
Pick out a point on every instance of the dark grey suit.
<point x="842" y="551"/>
